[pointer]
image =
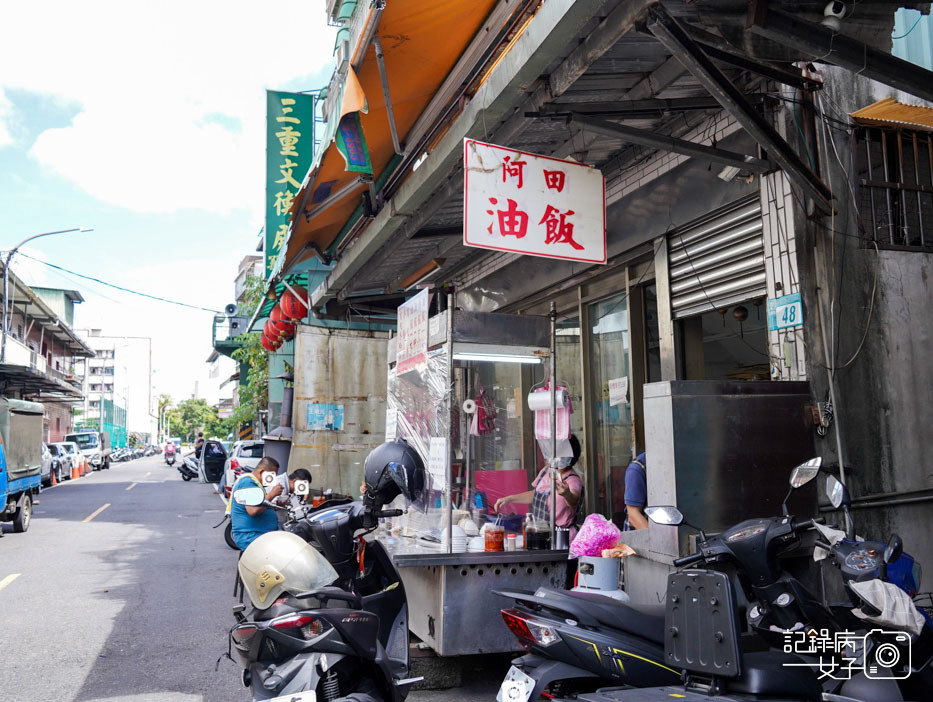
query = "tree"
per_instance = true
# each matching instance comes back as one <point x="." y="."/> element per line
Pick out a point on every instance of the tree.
<point x="254" y="394"/>
<point x="191" y="416"/>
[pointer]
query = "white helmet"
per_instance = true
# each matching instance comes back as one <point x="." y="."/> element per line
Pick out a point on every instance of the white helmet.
<point x="280" y="562"/>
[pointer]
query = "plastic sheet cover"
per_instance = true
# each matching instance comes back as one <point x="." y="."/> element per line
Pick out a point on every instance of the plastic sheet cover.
<point x="420" y="399"/>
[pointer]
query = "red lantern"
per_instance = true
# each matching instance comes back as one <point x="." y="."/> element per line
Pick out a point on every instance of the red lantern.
<point x="280" y="323"/>
<point x="294" y="307"/>
<point x="268" y="344"/>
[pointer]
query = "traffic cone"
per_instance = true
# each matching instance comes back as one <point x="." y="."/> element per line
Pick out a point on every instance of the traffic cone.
<point x="54" y="481"/>
<point x="75" y="471"/>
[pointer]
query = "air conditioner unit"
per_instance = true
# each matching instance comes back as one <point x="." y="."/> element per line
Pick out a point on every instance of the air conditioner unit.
<point x="343" y="55"/>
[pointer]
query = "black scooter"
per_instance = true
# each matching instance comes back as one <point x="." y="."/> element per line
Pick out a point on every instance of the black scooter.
<point x="580" y="641"/>
<point x="347" y="641"/>
<point x="743" y="579"/>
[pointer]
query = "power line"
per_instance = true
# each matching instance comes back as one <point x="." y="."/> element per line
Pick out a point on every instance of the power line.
<point x="117" y="287"/>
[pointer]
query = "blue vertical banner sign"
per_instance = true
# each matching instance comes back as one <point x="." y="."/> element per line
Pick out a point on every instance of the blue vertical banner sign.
<point x="289" y="152"/>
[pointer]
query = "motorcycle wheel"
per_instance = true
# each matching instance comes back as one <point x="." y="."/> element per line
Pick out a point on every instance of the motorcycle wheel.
<point x="228" y="536"/>
<point x="185" y="477"/>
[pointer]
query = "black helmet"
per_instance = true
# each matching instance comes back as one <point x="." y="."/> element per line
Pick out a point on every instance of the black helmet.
<point x="393" y="469"/>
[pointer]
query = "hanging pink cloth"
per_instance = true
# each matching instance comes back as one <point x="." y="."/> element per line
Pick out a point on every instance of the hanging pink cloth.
<point x="484" y="418"/>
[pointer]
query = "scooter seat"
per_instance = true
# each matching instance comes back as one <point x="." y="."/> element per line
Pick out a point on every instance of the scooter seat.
<point x="643" y="620"/>
<point x="770" y="673"/>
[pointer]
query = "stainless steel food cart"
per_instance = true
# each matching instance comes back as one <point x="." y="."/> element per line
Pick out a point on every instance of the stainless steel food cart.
<point x="496" y="358"/>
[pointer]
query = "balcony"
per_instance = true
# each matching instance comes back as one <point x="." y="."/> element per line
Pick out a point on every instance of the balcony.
<point x="225" y="334"/>
<point x="17" y="353"/>
<point x="26" y="371"/>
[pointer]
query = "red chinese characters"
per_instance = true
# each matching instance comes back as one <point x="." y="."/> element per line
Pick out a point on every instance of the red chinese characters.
<point x="554" y="180"/>
<point x="558" y="229"/>
<point x="512" y="221"/>
<point x="512" y="169"/>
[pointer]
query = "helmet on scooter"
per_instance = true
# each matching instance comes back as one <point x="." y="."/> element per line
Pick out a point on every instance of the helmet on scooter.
<point x="279" y="562"/>
<point x="393" y="469"/>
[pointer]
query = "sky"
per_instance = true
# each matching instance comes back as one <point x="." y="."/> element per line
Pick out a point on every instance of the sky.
<point x="146" y="122"/>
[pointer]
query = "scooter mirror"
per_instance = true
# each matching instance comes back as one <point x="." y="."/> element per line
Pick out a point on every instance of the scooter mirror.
<point x="666" y="514"/>
<point x="249" y="497"/>
<point x="836" y="492"/>
<point x="894" y="549"/>
<point x="805" y="472"/>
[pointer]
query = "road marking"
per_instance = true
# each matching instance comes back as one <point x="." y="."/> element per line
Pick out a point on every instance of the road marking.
<point x="8" y="579"/>
<point x="95" y="513"/>
<point x="131" y="487"/>
<point x="148" y="474"/>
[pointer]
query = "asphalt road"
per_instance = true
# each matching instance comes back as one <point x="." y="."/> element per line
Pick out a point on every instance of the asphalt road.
<point x="133" y="604"/>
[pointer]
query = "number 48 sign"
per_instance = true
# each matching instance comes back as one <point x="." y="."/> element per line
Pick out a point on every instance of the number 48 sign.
<point x="785" y="312"/>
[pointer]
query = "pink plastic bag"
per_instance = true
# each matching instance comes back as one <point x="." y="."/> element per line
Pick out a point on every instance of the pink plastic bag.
<point x="596" y="534"/>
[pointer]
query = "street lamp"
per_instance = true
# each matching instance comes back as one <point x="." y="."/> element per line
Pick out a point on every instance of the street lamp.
<point x="6" y="294"/>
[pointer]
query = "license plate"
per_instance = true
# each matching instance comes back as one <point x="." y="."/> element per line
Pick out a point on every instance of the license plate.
<point x="308" y="696"/>
<point x="517" y="687"/>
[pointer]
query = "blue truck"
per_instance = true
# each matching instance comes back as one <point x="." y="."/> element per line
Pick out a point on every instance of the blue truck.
<point x="20" y="460"/>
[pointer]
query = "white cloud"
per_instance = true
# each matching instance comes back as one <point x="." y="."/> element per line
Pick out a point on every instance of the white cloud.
<point x="5" y="108"/>
<point x="149" y="78"/>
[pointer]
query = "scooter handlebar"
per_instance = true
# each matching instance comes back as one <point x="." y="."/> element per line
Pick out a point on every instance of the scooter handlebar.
<point x="808" y="524"/>
<point x="389" y="513"/>
<point x="688" y="560"/>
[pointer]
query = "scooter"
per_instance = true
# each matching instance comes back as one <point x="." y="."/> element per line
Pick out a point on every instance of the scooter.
<point x="301" y="647"/>
<point x="188" y="467"/>
<point x="170" y="459"/>
<point x="703" y="630"/>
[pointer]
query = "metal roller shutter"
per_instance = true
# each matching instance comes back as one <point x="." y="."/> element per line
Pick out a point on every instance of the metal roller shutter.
<point x="719" y="261"/>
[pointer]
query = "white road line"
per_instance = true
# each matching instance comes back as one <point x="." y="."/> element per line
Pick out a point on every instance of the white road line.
<point x="131" y="487"/>
<point x="148" y="474"/>
<point x="95" y="513"/>
<point x="8" y="579"/>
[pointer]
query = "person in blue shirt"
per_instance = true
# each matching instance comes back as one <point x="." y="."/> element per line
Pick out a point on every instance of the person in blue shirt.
<point x="636" y="494"/>
<point x="249" y="523"/>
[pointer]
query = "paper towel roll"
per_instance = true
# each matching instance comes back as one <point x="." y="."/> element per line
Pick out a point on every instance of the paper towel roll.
<point x="542" y="400"/>
<point x="469" y="406"/>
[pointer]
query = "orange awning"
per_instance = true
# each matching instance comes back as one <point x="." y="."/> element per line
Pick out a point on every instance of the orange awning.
<point x="422" y="41"/>
<point x="891" y="113"/>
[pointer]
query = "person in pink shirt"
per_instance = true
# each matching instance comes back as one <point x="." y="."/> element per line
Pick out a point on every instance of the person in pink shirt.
<point x="569" y="486"/>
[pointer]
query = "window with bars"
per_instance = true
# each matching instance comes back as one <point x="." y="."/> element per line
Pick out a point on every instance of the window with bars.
<point x="894" y="176"/>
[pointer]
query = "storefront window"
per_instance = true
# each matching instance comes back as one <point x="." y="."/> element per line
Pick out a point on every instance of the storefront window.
<point x="612" y="426"/>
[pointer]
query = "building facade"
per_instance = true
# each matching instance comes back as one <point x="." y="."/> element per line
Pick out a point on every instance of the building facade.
<point x="768" y="220"/>
<point x="41" y="351"/>
<point x="117" y="383"/>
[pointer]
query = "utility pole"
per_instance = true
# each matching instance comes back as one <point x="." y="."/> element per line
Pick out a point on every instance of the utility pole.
<point x="7" y="308"/>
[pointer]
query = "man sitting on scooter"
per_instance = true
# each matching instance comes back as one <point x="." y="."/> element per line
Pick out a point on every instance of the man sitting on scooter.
<point x="249" y="523"/>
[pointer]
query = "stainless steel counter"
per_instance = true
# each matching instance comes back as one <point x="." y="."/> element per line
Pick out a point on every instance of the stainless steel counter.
<point x="452" y="606"/>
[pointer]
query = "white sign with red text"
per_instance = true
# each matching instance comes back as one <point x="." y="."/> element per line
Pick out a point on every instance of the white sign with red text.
<point x="538" y="205"/>
<point x="411" y="351"/>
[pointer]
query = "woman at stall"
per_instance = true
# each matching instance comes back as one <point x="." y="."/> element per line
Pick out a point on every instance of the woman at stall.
<point x="569" y="486"/>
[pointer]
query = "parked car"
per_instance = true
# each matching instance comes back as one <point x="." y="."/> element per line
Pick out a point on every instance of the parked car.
<point x="51" y="465"/>
<point x="243" y="458"/>
<point x="68" y="454"/>
<point x="73" y="450"/>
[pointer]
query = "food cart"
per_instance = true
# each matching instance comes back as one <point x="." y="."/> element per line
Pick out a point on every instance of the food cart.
<point x="458" y="395"/>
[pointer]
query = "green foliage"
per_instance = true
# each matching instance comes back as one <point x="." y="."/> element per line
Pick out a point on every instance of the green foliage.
<point x="254" y="393"/>
<point x="193" y="415"/>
